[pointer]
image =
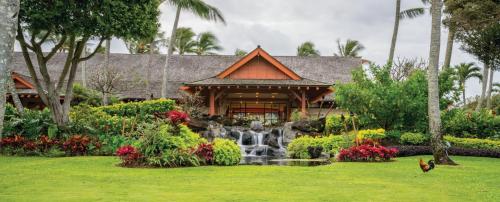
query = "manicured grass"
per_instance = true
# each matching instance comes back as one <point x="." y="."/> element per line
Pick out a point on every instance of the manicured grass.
<point x="98" y="179"/>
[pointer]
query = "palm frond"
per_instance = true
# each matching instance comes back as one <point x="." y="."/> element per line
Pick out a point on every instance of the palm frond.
<point x="412" y="13"/>
<point x="200" y="9"/>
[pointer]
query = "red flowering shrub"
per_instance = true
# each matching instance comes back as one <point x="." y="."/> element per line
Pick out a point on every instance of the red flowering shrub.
<point x="205" y="152"/>
<point x="29" y="146"/>
<point x="129" y="155"/>
<point x="45" y="143"/>
<point x="367" y="152"/>
<point x="79" y="145"/>
<point x="177" y="117"/>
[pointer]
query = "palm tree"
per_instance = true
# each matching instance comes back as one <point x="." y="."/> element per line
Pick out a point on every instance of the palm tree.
<point x="438" y="146"/>
<point x="239" y="52"/>
<point x="206" y="42"/>
<point x="198" y="8"/>
<point x="307" y="49"/>
<point x="466" y="71"/>
<point x="399" y="15"/>
<point x="184" y="42"/>
<point x="496" y="88"/>
<point x="147" y="45"/>
<point x="351" y="48"/>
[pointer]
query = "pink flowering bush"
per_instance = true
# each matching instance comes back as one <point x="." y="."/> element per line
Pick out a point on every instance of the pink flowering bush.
<point x="368" y="151"/>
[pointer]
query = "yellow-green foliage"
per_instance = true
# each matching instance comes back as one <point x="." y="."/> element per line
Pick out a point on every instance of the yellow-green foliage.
<point x="473" y="143"/>
<point x="226" y="152"/>
<point x="331" y="144"/>
<point x="374" y="134"/>
<point x="93" y="121"/>
<point x="139" y="108"/>
<point x="413" y="138"/>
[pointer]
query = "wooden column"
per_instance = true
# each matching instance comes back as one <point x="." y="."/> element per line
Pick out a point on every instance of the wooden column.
<point x="303" y="103"/>
<point x="211" y="110"/>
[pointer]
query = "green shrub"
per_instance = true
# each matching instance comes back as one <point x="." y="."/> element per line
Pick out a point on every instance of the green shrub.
<point x="31" y="124"/>
<point x="139" y="109"/>
<point x="226" y="152"/>
<point x="332" y="144"/>
<point x="372" y="134"/>
<point x="109" y="144"/>
<point x="393" y="135"/>
<point x="461" y="123"/>
<point x="93" y="121"/>
<point x="413" y="138"/>
<point x="473" y="143"/>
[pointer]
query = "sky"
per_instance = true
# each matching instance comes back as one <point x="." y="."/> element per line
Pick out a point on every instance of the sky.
<point x="279" y="26"/>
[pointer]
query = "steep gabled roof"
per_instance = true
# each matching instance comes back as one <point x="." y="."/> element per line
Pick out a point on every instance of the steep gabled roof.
<point x="258" y="52"/>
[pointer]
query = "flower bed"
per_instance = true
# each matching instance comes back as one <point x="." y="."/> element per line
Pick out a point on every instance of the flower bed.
<point x="367" y="151"/>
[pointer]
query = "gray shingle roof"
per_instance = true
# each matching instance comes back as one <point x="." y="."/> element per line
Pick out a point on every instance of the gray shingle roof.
<point x="136" y="69"/>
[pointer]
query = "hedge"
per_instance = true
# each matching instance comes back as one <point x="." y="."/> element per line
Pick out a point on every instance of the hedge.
<point x="473" y="143"/>
<point x="406" y="150"/>
<point x="139" y="109"/>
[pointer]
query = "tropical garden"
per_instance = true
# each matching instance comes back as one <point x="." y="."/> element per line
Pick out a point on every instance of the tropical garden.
<point x="87" y="145"/>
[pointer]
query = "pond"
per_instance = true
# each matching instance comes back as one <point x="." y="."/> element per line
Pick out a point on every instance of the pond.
<point x="263" y="160"/>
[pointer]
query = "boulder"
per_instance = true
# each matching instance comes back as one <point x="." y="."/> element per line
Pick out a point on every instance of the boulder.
<point x="198" y="124"/>
<point x="314" y="151"/>
<point x="271" y="139"/>
<point x="256" y="126"/>
<point x="310" y="126"/>
<point x="288" y="133"/>
<point x="247" y="138"/>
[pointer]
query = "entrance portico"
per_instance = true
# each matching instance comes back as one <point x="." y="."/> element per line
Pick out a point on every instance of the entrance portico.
<point x="258" y="87"/>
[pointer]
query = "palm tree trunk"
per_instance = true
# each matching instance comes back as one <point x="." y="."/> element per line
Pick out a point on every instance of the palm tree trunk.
<point x="15" y="97"/>
<point x="490" y="88"/>
<point x="84" y="68"/>
<point x="170" y="52"/>
<point x="449" y="47"/>
<point x="9" y="10"/>
<point x="148" y="70"/>
<point x="438" y="146"/>
<point x="483" y="87"/>
<point x="106" y="70"/>
<point x="463" y="94"/>
<point x="395" y="31"/>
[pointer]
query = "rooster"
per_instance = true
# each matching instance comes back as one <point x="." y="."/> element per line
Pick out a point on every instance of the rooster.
<point x="426" y="166"/>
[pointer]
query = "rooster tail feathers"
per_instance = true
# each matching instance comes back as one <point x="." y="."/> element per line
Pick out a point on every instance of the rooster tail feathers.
<point x="431" y="164"/>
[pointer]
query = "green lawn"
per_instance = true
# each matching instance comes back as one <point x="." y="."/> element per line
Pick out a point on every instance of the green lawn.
<point x="98" y="179"/>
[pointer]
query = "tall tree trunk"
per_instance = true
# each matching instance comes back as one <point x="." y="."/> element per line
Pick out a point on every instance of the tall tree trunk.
<point x="484" y="83"/>
<point x="449" y="47"/>
<point x="9" y="10"/>
<point x="463" y="94"/>
<point x="148" y="70"/>
<point x="13" y="93"/>
<point x="106" y="70"/>
<point x="395" y="31"/>
<point x="170" y="52"/>
<point x="84" y="68"/>
<point x="438" y="146"/>
<point x="490" y="88"/>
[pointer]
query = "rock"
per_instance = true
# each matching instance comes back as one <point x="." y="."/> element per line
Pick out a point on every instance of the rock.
<point x="247" y="138"/>
<point x="314" y="126"/>
<point x="235" y="135"/>
<point x="288" y="133"/>
<point x="256" y="126"/>
<point x="209" y="135"/>
<point x="198" y="125"/>
<point x="314" y="151"/>
<point x="271" y="139"/>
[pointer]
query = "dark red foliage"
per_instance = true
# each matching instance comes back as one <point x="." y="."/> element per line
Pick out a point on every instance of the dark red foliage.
<point x="29" y="146"/>
<point x="14" y="142"/>
<point x="77" y="145"/>
<point x="367" y="152"/>
<point x="177" y="117"/>
<point x="205" y="151"/>
<point x="130" y="155"/>
<point x="45" y="143"/>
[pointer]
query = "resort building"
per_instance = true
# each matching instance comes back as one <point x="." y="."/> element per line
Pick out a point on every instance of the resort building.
<point x="255" y="86"/>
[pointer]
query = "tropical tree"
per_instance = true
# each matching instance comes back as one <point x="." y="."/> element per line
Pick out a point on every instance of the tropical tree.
<point x="307" y="49"/>
<point x="496" y="88"/>
<point x="466" y="71"/>
<point x="143" y="46"/>
<point x="205" y="43"/>
<point x="477" y="27"/>
<point x="91" y="20"/>
<point x="198" y="8"/>
<point x="434" y="113"/>
<point x="239" y="52"/>
<point x="399" y="15"/>
<point x="9" y="10"/>
<point x="184" y="42"/>
<point x="351" y="48"/>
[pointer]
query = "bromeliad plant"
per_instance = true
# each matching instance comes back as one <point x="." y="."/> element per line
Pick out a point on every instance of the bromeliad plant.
<point x="129" y="155"/>
<point x="205" y="152"/>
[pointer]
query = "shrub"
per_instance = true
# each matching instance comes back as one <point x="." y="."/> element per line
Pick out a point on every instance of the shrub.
<point x="205" y="152"/>
<point x="298" y="148"/>
<point x="226" y="152"/>
<point x="79" y="145"/>
<point x="471" y="124"/>
<point x="413" y="138"/>
<point x="407" y="150"/>
<point x="393" y="135"/>
<point x="371" y="134"/>
<point x="109" y="144"/>
<point x="473" y="143"/>
<point x="45" y="143"/>
<point x="93" y="121"/>
<point x="177" y="117"/>
<point x="179" y="158"/>
<point x="139" y="109"/>
<point x="367" y="152"/>
<point x="129" y="155"/>
<point x="31" y="124"/>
